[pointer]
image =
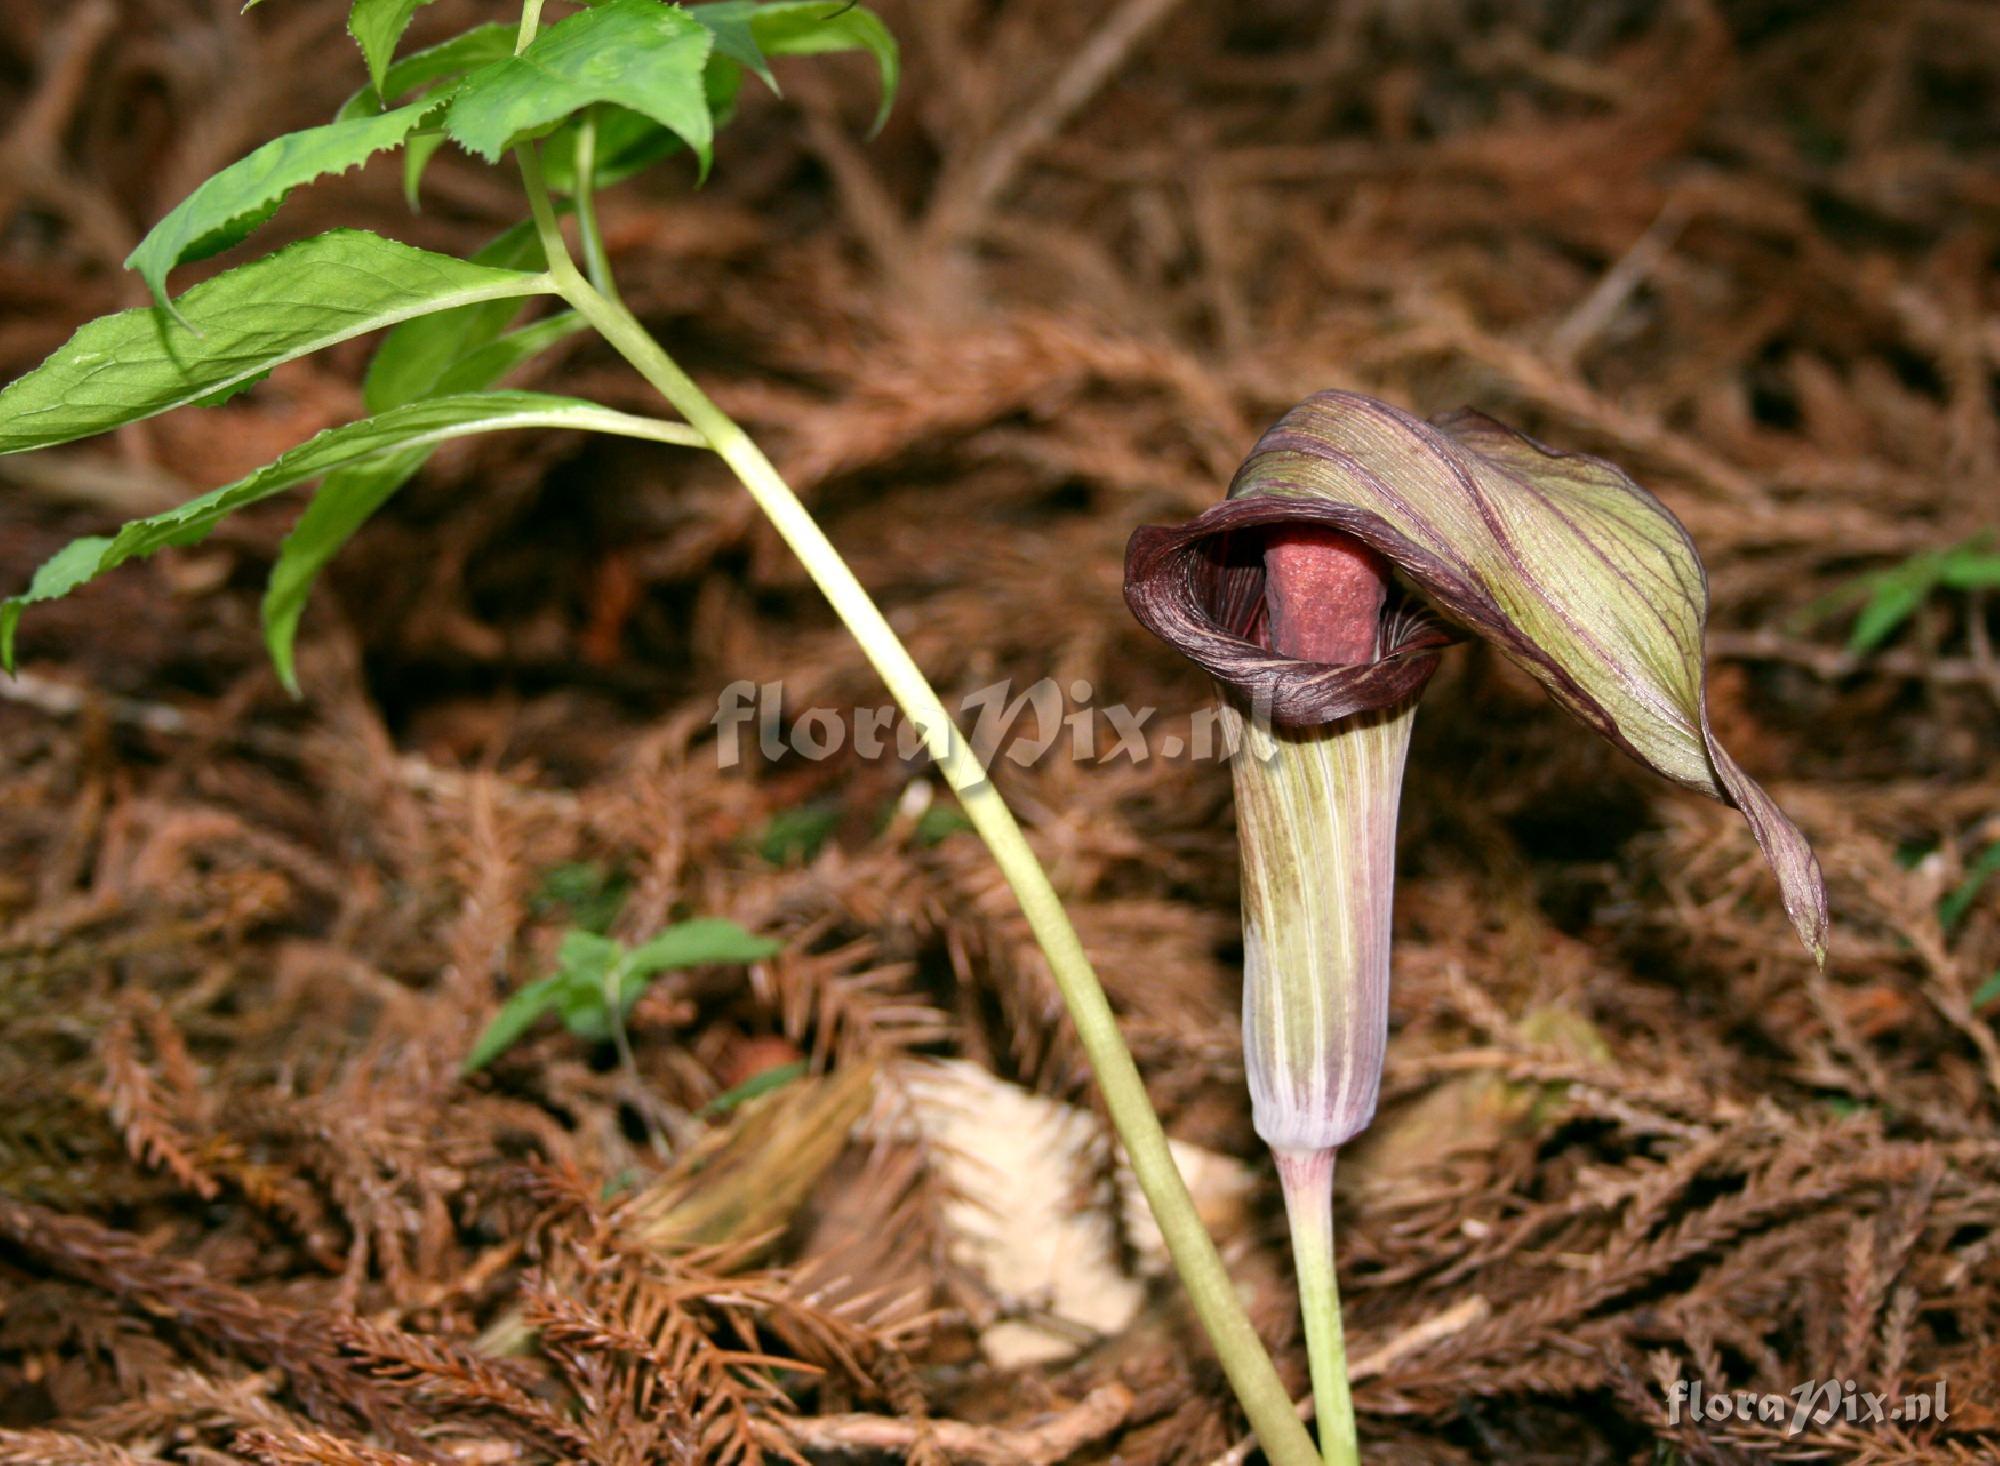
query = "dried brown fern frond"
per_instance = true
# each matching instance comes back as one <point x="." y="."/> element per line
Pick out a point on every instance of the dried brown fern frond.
<point x="878" y="1246"/>
<point x="61" y="1448"/>
<point x="144" y="1110"/>
<point x="318" y="1448"/>
<point x="181" y="1290"/>
<point x="847" y="1001"/>
<point x="450" y="1381"/>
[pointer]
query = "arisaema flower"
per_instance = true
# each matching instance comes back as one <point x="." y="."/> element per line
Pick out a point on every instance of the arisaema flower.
<point x="1356" y="542"/>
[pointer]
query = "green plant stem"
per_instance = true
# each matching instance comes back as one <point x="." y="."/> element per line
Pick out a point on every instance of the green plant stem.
<point x="1308" y="1183"/>
<point x="1221" y="1312"/>
<point x="596" y="263"/>
<point x="531" y="21"/>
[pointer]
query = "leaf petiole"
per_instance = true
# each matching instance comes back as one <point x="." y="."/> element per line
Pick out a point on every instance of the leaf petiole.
<point x="596" y="263"/>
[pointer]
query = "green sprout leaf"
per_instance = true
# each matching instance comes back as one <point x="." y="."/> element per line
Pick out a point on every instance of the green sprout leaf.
<point x="940" y="822"/>
<point x="467" y="51"/>
<point x="1970" y="566"/>
<point x="636" y="54"/>
<point x="755" y="1087"/>
<point x="598" y="980"/>
<point x="797" y="834"/>
<point x="1956" y="906"/>
<point x="225" y="209"/>
<point x="345" y="501"/>
<point x="377" y="25"/>
<point x="516" y="1016"/>
<point x="132" y="365"/>
<point x="420" y="424"/>
<point x="1888" y="598"/>
<point x="702" y="942"/>
<point x="810" y="28"/>
<point x="729" y="22"/>
<point x="590" y="893"/>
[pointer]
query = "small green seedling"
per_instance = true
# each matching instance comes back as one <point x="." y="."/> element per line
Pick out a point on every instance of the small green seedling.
<point x="587" y="892"/>
<point x="795" y="836"/>
<point x="1957" y="905"/>
<point x="598" y="980"/>
<point x="938" y="823"/>
<point x="1888" y="598"/>
<point x="755" y="1087"/>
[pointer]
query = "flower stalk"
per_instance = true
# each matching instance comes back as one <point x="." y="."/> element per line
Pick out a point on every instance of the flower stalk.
<point x="1307" y="1179"/>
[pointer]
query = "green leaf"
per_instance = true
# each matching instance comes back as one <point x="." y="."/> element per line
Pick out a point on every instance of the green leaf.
<point x="349" y="496"/>
<point x="588" y="957"/>
<point x="1890" y="597"/>
<point x="235" y="201"/>
<point x="591" y="893"/>
<point x="516" y="1016"/>
<point x="702" y="942"/>
<point x="597" y="981"/>
<point x="940" y="822"/>
<point x="420" y="424"/>
<point x="797" y="834"/>
<point x="729" y="22"/>
<point x="417" y="155"/>
<point x="755" y="1087"/>
<point x="1894" y="600"/>
<point x="230" y="393"/>
<point x="699" y="943"/>
<point x="811" y="28"/>
<point x="1971" y="565"/>
<point x="377" y="25"/>
<point x="628" y="142"/>
<point x="467" y="51"/>
<point x="1988" y="990"/>
<point x="343" y="503"/>
<point x="414" y="357"/>
<point x="120" y="368"/>
<point x="634" y="53"/>
<point x="1954" y="908"/>
<point x="587" y="965"/>
<point x="480" y="368"/>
